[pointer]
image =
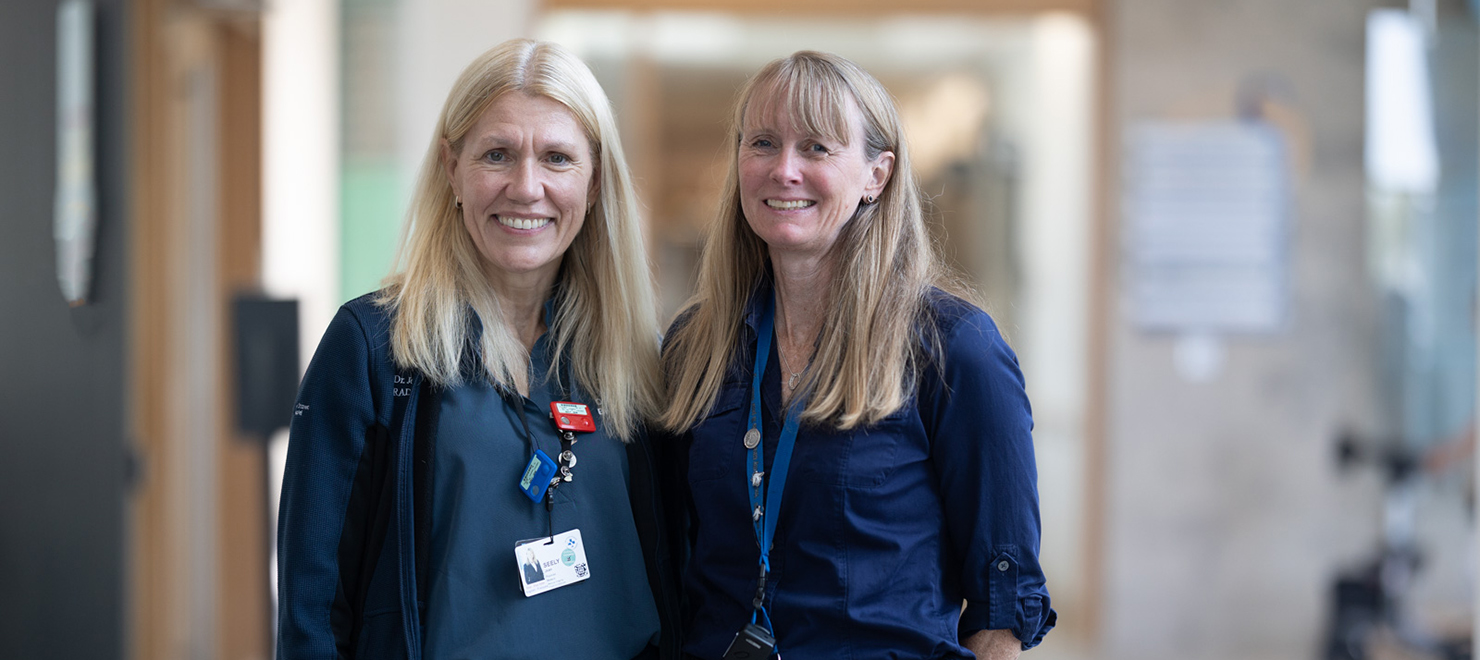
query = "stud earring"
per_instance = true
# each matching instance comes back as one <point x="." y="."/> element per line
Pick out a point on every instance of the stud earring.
<point x="868" y="199"/>
<point x="458" y="202"/>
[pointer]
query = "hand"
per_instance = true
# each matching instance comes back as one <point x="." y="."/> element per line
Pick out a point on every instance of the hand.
<point x="994" y="645"/>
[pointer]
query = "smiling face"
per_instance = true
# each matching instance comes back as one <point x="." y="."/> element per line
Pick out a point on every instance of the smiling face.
<point x="524" y="175"/>
<point x="798" y="189"/>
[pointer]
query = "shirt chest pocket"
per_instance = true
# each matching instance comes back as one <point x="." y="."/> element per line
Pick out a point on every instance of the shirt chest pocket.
<point x="719" y="438"/>
<point x="875" y="452"/>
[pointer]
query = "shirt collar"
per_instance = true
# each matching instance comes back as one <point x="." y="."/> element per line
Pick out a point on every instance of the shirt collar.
<point x="758" y="296"/>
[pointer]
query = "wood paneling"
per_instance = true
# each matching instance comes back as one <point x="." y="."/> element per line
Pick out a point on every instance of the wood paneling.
<point x="147" y="618"/>
<point x="184" y="60"/>
<point x="243" y="626"/>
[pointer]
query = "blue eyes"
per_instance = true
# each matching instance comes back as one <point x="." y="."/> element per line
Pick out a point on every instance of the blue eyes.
<point x="497" y="156"/>
<point x="815" y="148"/>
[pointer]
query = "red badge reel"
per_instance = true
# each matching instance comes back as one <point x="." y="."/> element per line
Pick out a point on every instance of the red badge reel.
<point x="570" y="418"/>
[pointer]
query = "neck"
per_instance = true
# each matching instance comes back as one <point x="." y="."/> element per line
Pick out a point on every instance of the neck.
<point x="522" y="297"/>
<point x="801" y="284"/>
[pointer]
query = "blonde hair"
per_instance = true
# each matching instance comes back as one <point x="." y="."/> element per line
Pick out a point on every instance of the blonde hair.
<point x="871" y="338"/>
<point x="604" y="327"/>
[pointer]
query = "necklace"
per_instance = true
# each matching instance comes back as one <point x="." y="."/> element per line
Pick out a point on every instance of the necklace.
<point x="793" y="378"/>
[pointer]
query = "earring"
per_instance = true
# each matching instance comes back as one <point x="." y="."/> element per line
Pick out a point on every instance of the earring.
<point x="458" y="201"/>
<point x="868" y="199"/>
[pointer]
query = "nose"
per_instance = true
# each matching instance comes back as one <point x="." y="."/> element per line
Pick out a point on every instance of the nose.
<point x="787" y="168"/>
<point x="526" y="187"/>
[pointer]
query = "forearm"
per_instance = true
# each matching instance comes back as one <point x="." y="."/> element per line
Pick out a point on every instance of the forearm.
<point x="994" y="645"/>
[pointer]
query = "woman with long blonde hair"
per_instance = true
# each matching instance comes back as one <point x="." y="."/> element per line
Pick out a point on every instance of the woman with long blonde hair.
<point x="468" y="473"/>
<point x="852" y="442"/>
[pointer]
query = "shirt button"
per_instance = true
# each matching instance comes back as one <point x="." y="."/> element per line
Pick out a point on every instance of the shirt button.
<point x="1002" y="565"/>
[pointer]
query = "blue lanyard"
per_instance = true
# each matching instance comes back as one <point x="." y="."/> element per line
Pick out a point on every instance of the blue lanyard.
<point x="765" y="525"/>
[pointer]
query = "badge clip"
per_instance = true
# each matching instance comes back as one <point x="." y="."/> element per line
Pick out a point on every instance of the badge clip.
<point x="572" y="416"/>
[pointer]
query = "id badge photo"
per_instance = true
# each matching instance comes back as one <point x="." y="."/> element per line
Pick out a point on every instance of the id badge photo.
<point x="552" y="562"/>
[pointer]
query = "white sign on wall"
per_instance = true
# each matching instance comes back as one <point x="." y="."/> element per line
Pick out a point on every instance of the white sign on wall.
<point x="1206" y="208"/>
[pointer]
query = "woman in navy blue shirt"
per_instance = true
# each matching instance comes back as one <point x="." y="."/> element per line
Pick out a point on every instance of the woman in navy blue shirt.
<point x="833" y="405"/>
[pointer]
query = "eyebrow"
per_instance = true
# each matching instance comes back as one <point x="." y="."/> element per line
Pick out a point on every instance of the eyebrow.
<point x="769" y="126"/>
<point x="495" y="140"/>
<point x="805" y="135"/>
<point x="562" y="146"/>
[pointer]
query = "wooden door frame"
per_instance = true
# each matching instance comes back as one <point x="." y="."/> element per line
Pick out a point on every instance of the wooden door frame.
<point x="173" y="46"/>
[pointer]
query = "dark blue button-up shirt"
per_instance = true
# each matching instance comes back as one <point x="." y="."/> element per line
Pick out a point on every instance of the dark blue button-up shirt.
<point x="884" y="530"/>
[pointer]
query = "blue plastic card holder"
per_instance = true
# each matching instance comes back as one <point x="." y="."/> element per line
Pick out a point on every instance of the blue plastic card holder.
<point x="537" y="475"/>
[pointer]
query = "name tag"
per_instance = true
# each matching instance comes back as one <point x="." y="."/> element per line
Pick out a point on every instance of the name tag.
<point x="546" y="564"/>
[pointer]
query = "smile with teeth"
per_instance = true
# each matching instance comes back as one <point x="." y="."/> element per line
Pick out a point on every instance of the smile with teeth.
<point x="522" y="223"/>
<point x="789" y="205"/>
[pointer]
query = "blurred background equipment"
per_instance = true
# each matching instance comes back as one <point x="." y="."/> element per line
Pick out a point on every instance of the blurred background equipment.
<point x="1370" y="602"/>
<point x="267" y="366"/>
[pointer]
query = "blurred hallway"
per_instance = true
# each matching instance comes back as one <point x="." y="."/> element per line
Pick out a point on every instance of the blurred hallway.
<point x="1221" y="235"/>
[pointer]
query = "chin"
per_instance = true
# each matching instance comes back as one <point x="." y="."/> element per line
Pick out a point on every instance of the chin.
<point x="791" y="242"/>
<point x="525" y="263"/>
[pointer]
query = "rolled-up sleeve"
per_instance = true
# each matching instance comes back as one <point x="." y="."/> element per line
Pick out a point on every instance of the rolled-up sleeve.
<point x="333" y="411"/>
<point x="982" y="445"/>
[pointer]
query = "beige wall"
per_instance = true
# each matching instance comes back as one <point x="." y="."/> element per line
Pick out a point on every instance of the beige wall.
<point x="1224" y="513"/>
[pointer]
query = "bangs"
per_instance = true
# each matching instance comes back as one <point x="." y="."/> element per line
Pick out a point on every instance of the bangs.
<point x="808" y="97"/>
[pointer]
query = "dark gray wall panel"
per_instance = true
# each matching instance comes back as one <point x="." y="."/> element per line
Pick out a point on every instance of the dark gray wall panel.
<point x="62" y="382"/>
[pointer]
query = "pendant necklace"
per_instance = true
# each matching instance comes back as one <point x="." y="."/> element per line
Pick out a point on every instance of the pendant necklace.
<point x="792" y="376"/>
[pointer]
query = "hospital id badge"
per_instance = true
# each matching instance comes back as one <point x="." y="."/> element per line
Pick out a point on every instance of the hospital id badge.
<point x="550" y="563"/>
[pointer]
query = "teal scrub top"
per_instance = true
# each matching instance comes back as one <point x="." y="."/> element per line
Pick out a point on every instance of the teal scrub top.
<point x="475" y="607"/>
